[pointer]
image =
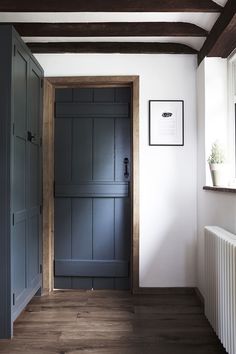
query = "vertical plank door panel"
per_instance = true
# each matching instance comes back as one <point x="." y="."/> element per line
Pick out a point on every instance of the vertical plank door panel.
<point x="63" y="228"/>
<point x="64" y="95"/>
<point x="122" y="228"/>
<point x="122" y="95"/>
<point x="104" y="95"/>
<point x="63" y="146"/>
<point x="82" y="150"/>
<point x="103" y="150"/>
<point x="83" y="95"/>
<point x="62" y="237"/>
<point x="103" y="228"/>
<point x="103" y="283"/>
<point x="92" y="220"/>
<point x="122" y="149"/>
<point x="122" y="237"/>
<point x="82" y="228"/>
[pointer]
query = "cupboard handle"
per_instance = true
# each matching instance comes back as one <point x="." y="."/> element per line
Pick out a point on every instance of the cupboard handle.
<point x="30" y="137"/>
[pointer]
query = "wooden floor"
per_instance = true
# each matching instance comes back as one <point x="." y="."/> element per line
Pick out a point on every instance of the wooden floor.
<point x="106" y="322"/>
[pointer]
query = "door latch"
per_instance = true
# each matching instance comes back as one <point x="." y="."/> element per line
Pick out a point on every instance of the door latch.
<point x="126" y="162"/>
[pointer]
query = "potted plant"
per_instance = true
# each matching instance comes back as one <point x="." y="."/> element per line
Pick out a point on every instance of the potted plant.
<point x="216" y="162"/>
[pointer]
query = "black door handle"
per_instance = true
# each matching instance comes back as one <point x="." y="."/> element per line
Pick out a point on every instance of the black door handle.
<point x="126" y="162"/>
<point x="30" y="136"/>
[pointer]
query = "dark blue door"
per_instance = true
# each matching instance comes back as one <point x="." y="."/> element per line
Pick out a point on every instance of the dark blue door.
<point x="26" y="179"/>
<point x="34" y="256"/>
<point x="92" y="197"/>
<point x="19" y="179"/>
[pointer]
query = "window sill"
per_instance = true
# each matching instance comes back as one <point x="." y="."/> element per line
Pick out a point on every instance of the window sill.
<point x="220" y="189"/>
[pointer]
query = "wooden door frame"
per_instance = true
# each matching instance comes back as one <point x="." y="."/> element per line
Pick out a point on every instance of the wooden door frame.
<point x="50" y="84"/>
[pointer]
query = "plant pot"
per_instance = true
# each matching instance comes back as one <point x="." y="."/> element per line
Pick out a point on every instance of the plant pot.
<point x="218" y="174"/>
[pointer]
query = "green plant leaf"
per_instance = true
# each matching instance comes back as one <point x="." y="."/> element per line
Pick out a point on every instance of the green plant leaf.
<point x="217" y="153"/>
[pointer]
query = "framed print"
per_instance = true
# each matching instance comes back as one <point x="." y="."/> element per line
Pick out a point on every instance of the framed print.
<point x="166" y="122"/>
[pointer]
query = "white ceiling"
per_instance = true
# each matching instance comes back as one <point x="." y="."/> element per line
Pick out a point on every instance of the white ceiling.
<point x="204" y="20"/>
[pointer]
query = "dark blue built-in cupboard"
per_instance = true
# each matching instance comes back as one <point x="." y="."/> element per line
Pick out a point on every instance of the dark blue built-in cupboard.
<point x="20" y="177"/>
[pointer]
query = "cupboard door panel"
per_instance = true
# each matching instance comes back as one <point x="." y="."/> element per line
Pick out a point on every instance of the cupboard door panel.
<point x="34" y="190"/>
<point x="26" y="178"/>
<point x="34" y="197"/>
<point x="20" y="91"/>
<point x="34" y="119"/>
<point x="19" y="260"/>
<point x="19" y="177"/>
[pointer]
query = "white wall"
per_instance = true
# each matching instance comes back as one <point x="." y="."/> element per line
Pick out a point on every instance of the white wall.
<point x="214" y="208"/>
<point x="216" y="104"/>
<point x="167" y="174"/>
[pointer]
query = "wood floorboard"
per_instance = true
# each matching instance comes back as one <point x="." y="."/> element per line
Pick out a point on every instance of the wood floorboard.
<point x="113" y="322"/>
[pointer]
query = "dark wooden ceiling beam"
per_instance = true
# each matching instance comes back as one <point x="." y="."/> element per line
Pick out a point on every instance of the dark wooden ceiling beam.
<point x="221" y="40"/>
<point x="109" y="6"/>
<point x="110" y="29"/>
<point x="114" y="47"/>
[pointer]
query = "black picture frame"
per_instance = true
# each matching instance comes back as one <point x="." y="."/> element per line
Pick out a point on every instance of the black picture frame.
<point x="166" y="114"/>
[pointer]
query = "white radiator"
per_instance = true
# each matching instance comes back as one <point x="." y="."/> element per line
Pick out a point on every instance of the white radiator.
<point x="220" y="286"/>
